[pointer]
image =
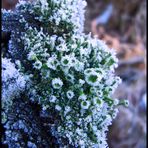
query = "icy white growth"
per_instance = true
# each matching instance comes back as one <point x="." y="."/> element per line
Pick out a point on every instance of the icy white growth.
<point x="80" y="84"/>
<point x="13" y="82"/>
<point x="71" y="72"/>
<point x="58" y="11"/>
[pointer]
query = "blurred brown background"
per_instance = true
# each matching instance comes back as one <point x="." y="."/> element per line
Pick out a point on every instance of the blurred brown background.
<point x="122" y="25"/>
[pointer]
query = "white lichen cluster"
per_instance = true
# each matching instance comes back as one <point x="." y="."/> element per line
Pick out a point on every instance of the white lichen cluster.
<point x="66" y="13"/>
<point x="13" y="82"/>
<point x="77" y="79"/>
<point x="71" y="72"/>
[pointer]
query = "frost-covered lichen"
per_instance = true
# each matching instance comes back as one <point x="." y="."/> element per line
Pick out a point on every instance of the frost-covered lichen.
<point x="71" y="74"/>
<point x="77" y="79"/>
<point x="13" y="82"/>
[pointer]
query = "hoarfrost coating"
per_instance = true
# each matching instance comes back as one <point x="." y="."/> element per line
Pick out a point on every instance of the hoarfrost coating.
<point x="71" y="73"/>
